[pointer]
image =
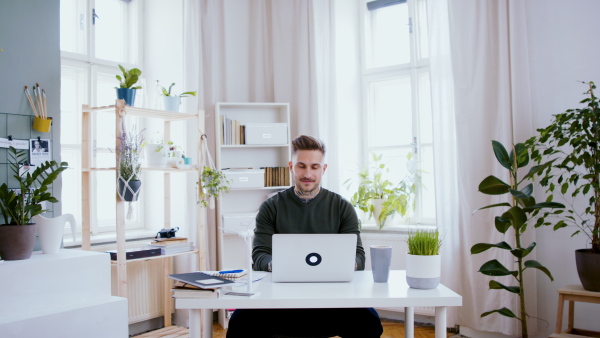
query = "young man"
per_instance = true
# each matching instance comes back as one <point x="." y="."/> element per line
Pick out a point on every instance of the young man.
<point x="304" y="208"/>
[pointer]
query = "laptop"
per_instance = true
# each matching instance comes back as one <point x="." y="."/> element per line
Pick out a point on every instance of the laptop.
<point x="313" y="257"/>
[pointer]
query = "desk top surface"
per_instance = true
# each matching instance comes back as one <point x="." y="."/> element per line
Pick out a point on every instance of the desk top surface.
<point x="361" y="292"/>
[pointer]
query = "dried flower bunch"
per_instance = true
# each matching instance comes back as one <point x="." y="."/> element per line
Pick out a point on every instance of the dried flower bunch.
<point x="129" y="152"/>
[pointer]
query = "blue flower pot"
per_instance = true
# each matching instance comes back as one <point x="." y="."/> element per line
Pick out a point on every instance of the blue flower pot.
<point x="126" y="94"/>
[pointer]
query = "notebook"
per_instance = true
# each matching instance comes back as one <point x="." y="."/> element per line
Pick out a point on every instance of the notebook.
<point x="201" y="280"/>
<point x="313" y="257"/>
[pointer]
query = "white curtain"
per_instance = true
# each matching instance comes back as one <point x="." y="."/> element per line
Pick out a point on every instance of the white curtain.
<point x="483" y="96"/>
<point x="265" y="51"/>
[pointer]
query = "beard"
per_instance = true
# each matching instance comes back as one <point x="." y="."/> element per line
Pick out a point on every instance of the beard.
<point x="308" y="191"/>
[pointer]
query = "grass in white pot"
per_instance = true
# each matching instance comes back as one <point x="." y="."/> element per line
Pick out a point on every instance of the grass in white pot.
<point x="424" y="242"/>
<point x="423" y="262"/>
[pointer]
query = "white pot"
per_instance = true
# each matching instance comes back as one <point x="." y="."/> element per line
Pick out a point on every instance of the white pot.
<point x="156" y="157"/>
<point x="50" y="231"/>
<point x="377" y="207"/>
<point x="423" y="272"/>
<point x="171" y="103"/>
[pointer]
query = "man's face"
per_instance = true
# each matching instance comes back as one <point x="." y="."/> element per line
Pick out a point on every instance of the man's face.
<point x="36" y="144"/>
<point x="307" y="168"/>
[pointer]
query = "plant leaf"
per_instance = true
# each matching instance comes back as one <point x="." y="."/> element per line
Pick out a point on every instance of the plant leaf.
<point x="481" y="247"/>
<point x="496" y="286"/>
<point x="492" y="185"/>
<point x="502" y="225"/>
<point x="516" y="216"/>
<point x="505" y="204"/>
<point x="503" y="311"/>
<point x="501" y="155"/>
<point x="495" y="268"/>
<point x="537" y="265"/>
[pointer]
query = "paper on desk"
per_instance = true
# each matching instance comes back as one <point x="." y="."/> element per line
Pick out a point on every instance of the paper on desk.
<point x="256" y="276"/>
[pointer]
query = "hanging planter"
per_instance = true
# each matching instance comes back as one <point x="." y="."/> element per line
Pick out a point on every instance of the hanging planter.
<point x="213" y="181"/>
<point x="129" y="191"/>
<point x="129" y="152"/>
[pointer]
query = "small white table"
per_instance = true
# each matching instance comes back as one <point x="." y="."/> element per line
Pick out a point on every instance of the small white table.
<point x="361" y="292"/>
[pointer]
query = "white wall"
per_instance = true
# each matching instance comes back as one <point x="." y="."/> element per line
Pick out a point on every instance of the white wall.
<point x="563" y="49"/>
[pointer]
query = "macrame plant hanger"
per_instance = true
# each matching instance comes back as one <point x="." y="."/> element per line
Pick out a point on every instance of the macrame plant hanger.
<point x="135" y="171"/>
<point x="208" y="162"/>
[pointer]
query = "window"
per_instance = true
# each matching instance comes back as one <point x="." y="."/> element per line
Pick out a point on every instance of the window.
<point x="96" y="36"/>
<point x="396" y="96"/>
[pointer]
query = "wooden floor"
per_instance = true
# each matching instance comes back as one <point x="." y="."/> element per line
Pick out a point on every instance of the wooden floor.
<point x="391" y="329"/>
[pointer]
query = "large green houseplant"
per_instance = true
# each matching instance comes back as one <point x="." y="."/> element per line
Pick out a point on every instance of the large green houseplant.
<point x="572" y="141"/>
<point x="521" y="212"/>
<point x="20" y="205"/>
<point x="378" y="196"/>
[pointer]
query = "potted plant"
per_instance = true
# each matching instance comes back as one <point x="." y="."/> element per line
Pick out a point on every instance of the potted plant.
<point x="129" y="163"/>
<point x="521" y="212"/>
<point x="571" y="140"/>
<point x="213" y="184"/>
<point x="423" y="260"/>
<point x="17" y="234"/>
<point x="126" y="90"/>
<point x="379" y="197"/>
<point x="172" y="101"/>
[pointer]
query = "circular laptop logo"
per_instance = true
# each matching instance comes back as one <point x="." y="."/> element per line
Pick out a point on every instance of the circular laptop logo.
<point x="313" y="259"/>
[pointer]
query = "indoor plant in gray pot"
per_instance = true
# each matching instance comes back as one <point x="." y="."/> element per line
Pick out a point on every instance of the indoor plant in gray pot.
<point x="521" y="211"/>
<point x="572" y="140"/>
<point x="379" y="197"/>
<point x="126" y="90"/>
<point x="423" y="260"/>
<point x="17" y="234"/>
<point x="171" y="100"/>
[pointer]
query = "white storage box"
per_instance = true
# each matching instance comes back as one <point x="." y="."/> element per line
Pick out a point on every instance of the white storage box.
<point x="238" y="222"/>
<point x="266" y="133"/>
<point x="246" y="178"/>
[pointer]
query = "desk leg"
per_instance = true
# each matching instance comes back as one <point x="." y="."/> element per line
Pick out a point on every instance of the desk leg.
<point x="207" y="329"/>
<point x="559" y="313"/>
<point x="440" y="322"/>
<point x="409" y="322"/>
<point x="195" y="319"/>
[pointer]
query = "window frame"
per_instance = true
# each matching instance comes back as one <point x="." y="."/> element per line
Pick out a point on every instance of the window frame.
<point x="417" y="66"/>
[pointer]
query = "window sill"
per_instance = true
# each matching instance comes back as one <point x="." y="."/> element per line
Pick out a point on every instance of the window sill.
<point x="397" y="229"/>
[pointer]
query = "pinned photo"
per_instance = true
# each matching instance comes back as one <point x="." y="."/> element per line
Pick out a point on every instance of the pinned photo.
<point x="39" y="151"/>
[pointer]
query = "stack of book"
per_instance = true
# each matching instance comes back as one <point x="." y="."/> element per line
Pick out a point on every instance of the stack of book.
<point x="277" y="176"/>
<point x="232" y="131"/>
<point x="172" y="245"/>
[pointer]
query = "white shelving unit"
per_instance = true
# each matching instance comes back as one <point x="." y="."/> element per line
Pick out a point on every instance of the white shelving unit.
<point x="167" y="117"/>
<point x="232" y="250"/>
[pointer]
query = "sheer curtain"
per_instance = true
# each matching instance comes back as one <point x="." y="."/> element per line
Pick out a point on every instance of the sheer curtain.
<point x="263" y="51"/>
<point x="480" y="91"/>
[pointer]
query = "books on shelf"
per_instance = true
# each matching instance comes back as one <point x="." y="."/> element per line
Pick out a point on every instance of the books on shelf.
<point x="168" y="248"/>
<point x="277" y="176"/>
<point x="169" y="241"/>
<point x="232" y="131"/>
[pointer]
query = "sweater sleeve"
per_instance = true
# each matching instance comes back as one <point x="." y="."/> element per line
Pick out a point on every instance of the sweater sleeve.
<point x="265" y="228"/>
<point x="349" y="225"/>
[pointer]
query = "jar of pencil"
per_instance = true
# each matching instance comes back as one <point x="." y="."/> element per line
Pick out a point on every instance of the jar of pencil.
<point x="41" y="121"/>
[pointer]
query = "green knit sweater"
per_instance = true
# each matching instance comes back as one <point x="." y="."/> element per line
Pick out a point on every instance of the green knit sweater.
<point x="286" y="213"/>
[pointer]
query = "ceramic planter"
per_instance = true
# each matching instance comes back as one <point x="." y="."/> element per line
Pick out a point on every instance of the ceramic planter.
<point x="17" y="241"/>
<point x="156" y="154"/>
<point x="588" y="268"/>
<point x="377" y="207"/>
<point x="129" y="191"/>
<point x="171" y="103"/>
<point x="423" y="272"/>
<point x="127" y="94"/>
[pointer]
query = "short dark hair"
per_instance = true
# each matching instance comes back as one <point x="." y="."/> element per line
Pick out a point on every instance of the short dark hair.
<point x="304" y="142"/>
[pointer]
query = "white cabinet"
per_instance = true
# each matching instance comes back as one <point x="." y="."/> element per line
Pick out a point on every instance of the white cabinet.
<point x="267" y="127"/>
<point x="88" y="171"/>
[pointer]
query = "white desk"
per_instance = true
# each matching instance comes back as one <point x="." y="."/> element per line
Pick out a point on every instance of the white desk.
<point x="361" y="292"/>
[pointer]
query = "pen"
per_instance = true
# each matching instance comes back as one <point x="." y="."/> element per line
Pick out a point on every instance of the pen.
<point x="231" y="271"/>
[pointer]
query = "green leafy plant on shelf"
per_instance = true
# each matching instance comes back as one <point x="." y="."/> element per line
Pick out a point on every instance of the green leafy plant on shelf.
<point x="213" y="184"/>
<point x="130" y="77"/>
<point x="18" y="207"/>
<point x="424" y="242"/>
<point x="521" y="212"/>
<point x="374" y="187"/>
<point x="167" y="92"/>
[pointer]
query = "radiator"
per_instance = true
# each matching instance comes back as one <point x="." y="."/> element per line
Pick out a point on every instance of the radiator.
<point x="399" y="249"/>
<point x="144" y="288"/>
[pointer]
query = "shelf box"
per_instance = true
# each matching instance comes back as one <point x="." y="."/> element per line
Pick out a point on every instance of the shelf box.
<point x="266" y="133"/>
<point x="238" y="222"/>
<point x="245" y="178"/>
